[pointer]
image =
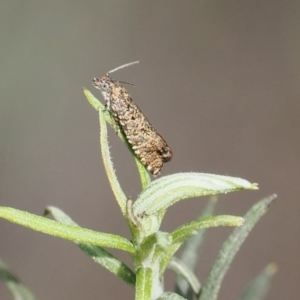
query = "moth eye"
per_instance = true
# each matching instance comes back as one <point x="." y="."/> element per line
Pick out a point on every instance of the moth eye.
<point x="105" y="86"/>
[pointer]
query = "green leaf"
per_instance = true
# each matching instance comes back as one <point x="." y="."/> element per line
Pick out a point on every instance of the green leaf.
<point x="95" y="103"/>
<point x="185" y="272"/>
<point x="187" y="230"/>
<point x="170" y="296"/>
<point x="17" y="289"/>
<point x="144" y="175"/>
<point x="192" y="249"/>
<point x="230" y="247"/>
<point x="98" y="254"/>
<point x="67" y="232"/>
<point x="109" y="168"/>
<point x="167" y="190"/>
<point x="259" y="287"/>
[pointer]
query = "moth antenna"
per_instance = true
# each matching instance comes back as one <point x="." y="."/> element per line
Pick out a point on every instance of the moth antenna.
<point x="128" y="83"/>
<point x="123" y="66"/>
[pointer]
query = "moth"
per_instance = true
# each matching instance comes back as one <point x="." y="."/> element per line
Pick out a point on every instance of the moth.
<point x="151" y="149"/>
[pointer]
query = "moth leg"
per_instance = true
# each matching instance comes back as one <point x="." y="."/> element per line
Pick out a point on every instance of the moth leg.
<point x="155" y="166"/>
<point x="117" y="129"/>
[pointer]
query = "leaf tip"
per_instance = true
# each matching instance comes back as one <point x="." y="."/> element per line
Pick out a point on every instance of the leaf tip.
<point x="254" y="186"/>
<point x="240" y="222"/>
<point x="269" y="200"/>
<point x="213" y="199"/>
<point x="272" y="269"/>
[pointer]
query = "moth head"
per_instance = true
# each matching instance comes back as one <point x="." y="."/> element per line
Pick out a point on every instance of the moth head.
<point x="104" y="84"/>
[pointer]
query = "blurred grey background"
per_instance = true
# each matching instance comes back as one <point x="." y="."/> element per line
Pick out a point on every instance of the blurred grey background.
<point x="218" y="79"/>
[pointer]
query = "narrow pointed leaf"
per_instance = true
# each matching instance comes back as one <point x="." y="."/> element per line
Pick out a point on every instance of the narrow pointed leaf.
<point x="97" y="253"/>
<point x="144" y="175"/>
<point x="230" y="247"/>
<point x="67" y="232"/>
<point x="17" y="289"/>
<point x="185" y="272"/>
<point x="192" y="249"/>
<point x="108" y="164"/>
<point x="170" y="296"/>
<point x="95" y="103"/>
<point x="187" y="230"/>
<point x="167" y="190"/>
<point x="259" y="287"/>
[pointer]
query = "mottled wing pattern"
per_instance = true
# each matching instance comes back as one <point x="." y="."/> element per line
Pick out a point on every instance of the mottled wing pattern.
<point x="147" y="144"/>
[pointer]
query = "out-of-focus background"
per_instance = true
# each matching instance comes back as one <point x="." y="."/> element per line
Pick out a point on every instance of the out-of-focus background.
<point x="218" y="79"/>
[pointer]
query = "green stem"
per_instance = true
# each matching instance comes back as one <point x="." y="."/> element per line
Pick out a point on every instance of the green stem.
<point x="143" y="288"/>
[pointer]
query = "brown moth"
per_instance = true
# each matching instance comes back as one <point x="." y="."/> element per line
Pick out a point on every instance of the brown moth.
<point x="147" y="144"/>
